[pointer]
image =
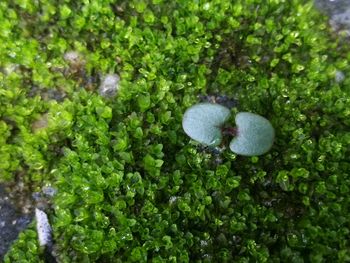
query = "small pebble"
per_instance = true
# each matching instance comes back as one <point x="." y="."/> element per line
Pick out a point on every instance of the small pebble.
<point x="49" y="191"/>
<point x="72" y="57"/>
<point x="43" y="227"/>
<point x="339" y="76"/>
<point x="109" y="85"/>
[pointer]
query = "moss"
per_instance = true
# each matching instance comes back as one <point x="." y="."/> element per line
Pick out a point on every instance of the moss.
<point x="25" y="248"/>
<point x="131" y="186"/>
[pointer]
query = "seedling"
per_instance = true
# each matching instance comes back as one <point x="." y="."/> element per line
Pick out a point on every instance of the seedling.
<point x="204" y="122"/>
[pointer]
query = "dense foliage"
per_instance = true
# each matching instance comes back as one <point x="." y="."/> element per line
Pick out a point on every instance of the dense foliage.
<point x="131" y="185"/>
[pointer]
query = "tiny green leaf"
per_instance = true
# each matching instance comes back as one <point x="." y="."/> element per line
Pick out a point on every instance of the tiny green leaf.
<point x="255" y="135"/>
<point x="202" y="122"/>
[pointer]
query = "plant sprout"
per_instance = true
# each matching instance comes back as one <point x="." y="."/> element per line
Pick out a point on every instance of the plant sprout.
<point x="253" y="134"/>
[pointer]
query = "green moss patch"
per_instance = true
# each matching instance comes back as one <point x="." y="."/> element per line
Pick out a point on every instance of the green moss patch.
<point x="131" y="185"/>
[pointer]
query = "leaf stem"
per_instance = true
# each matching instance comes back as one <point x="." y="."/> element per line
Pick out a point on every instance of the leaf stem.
<point x="229" y="131"/>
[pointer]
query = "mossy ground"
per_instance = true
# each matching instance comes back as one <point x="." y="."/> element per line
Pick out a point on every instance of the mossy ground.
<point x="131" y="185"/>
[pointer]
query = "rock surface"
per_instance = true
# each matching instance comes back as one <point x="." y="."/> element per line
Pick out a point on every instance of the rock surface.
<point x="12" y="221"/>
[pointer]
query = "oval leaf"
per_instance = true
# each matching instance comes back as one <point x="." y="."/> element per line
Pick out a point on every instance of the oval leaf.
<point x="203" y="121"/>
<point x="255" y="135"/>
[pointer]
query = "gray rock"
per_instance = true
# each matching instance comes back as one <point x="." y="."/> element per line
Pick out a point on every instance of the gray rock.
<point x="339" y="76"/>
<point x="332" y="7"/>
<point x="338" y="12"/>
<point x="12" y="221"/>
<point x="109" y="85"/>
<point x="49" y="191"/>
